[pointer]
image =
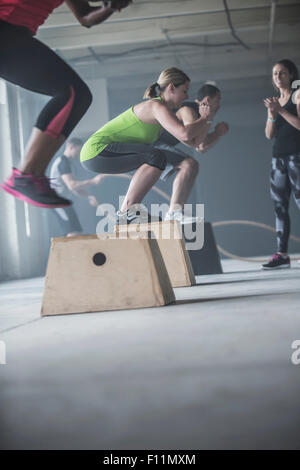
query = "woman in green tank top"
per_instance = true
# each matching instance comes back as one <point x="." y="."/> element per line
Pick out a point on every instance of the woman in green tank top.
<point x="125" y="143"/>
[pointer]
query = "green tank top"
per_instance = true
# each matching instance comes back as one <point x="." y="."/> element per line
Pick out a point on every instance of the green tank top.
<point x="126" y="127"/>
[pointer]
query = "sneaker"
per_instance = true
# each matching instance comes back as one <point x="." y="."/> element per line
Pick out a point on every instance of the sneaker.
<point x="183" y="219"/>
<point x="136" y="214"/>
<point x="35" y="190"/>
<point x="278" y="262"/>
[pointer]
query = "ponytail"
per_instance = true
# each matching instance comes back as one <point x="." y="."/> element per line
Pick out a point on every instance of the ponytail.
<point x="153" y="91"/>
<point x="167" y="76"/>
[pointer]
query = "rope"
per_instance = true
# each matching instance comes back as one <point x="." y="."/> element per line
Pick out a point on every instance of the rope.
<point x="253" y="224"/>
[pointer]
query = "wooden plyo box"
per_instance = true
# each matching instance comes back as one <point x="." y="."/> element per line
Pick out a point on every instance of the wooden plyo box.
<point x="97" y="273"/>
<point x="207" y="259"/>
<point x="171" y="243"/>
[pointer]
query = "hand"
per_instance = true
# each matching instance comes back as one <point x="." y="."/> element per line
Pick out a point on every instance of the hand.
<point x="117" y="4"/>
<point x="97" y="179"/>
<point x="221" y="128"/>
<point x="93" y="201"/>
<point x="273" y="106"/>
<point x="201" y="149"/>
<point x="205" y="111"/>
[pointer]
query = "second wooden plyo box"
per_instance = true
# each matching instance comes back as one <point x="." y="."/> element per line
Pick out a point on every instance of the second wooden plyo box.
<point x="171" y="243"/>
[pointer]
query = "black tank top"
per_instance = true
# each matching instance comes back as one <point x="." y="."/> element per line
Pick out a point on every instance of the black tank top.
<point x="286" y="137"/>
<point x="168" y="139"/>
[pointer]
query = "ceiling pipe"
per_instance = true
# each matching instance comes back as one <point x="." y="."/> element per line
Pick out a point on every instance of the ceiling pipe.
<point x="272" y="26"/>
<point x="173" y="15"/>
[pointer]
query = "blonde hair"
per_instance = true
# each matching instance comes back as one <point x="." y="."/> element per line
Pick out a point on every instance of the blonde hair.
<point x="167" y="76"/>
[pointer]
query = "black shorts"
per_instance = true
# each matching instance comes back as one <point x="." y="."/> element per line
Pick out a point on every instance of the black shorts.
<point x="174" y="158"/>
<point x="125" y="157"/>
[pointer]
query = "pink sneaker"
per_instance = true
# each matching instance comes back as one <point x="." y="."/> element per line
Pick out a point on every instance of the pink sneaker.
<point x="278" y="262"/>
<point x="35" y="190"/>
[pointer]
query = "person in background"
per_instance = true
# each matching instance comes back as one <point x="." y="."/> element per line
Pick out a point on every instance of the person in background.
<point x="185" y="166"/>
<point x="67" y="187"/>
<point x="283" y="126"/>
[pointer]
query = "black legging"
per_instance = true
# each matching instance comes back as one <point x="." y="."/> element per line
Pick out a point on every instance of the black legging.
<point x="123" y="157"/>
<point x="285" y="177"/>
<point x="30" y="64"/>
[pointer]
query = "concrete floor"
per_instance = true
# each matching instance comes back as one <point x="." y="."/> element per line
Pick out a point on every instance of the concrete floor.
<point x="213" y="371"/>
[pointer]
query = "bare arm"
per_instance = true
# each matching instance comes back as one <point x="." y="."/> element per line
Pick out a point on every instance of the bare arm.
<point x="76" y="186"/>
<point x="213" y="138"/>
<point x="188" y="134"/>
<point x="291" y="118"/>
<point x="272" y="113"/>
<point x="209" y="142"/>
<point x="187" y="116"/>
<point x="270" y="128"/>
<point x="89" y="16"/>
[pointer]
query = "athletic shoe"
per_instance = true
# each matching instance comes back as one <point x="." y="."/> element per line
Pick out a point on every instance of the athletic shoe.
<point x="180" y="217"/>
<point x="136" y="214"/>
<point x="35" y="190"/>
<point x="278" y="262"/>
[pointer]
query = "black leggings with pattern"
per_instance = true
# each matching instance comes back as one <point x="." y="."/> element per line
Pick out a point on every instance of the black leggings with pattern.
<point x="285" y="178"/>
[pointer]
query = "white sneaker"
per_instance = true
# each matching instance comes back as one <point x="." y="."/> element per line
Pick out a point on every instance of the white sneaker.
<point x="183" y="219"/>
<point x="136" y="214"/>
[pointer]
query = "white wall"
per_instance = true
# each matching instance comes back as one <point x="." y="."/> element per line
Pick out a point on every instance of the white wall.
<point x="98" y="112"/>
<point x="9" y="247"/>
